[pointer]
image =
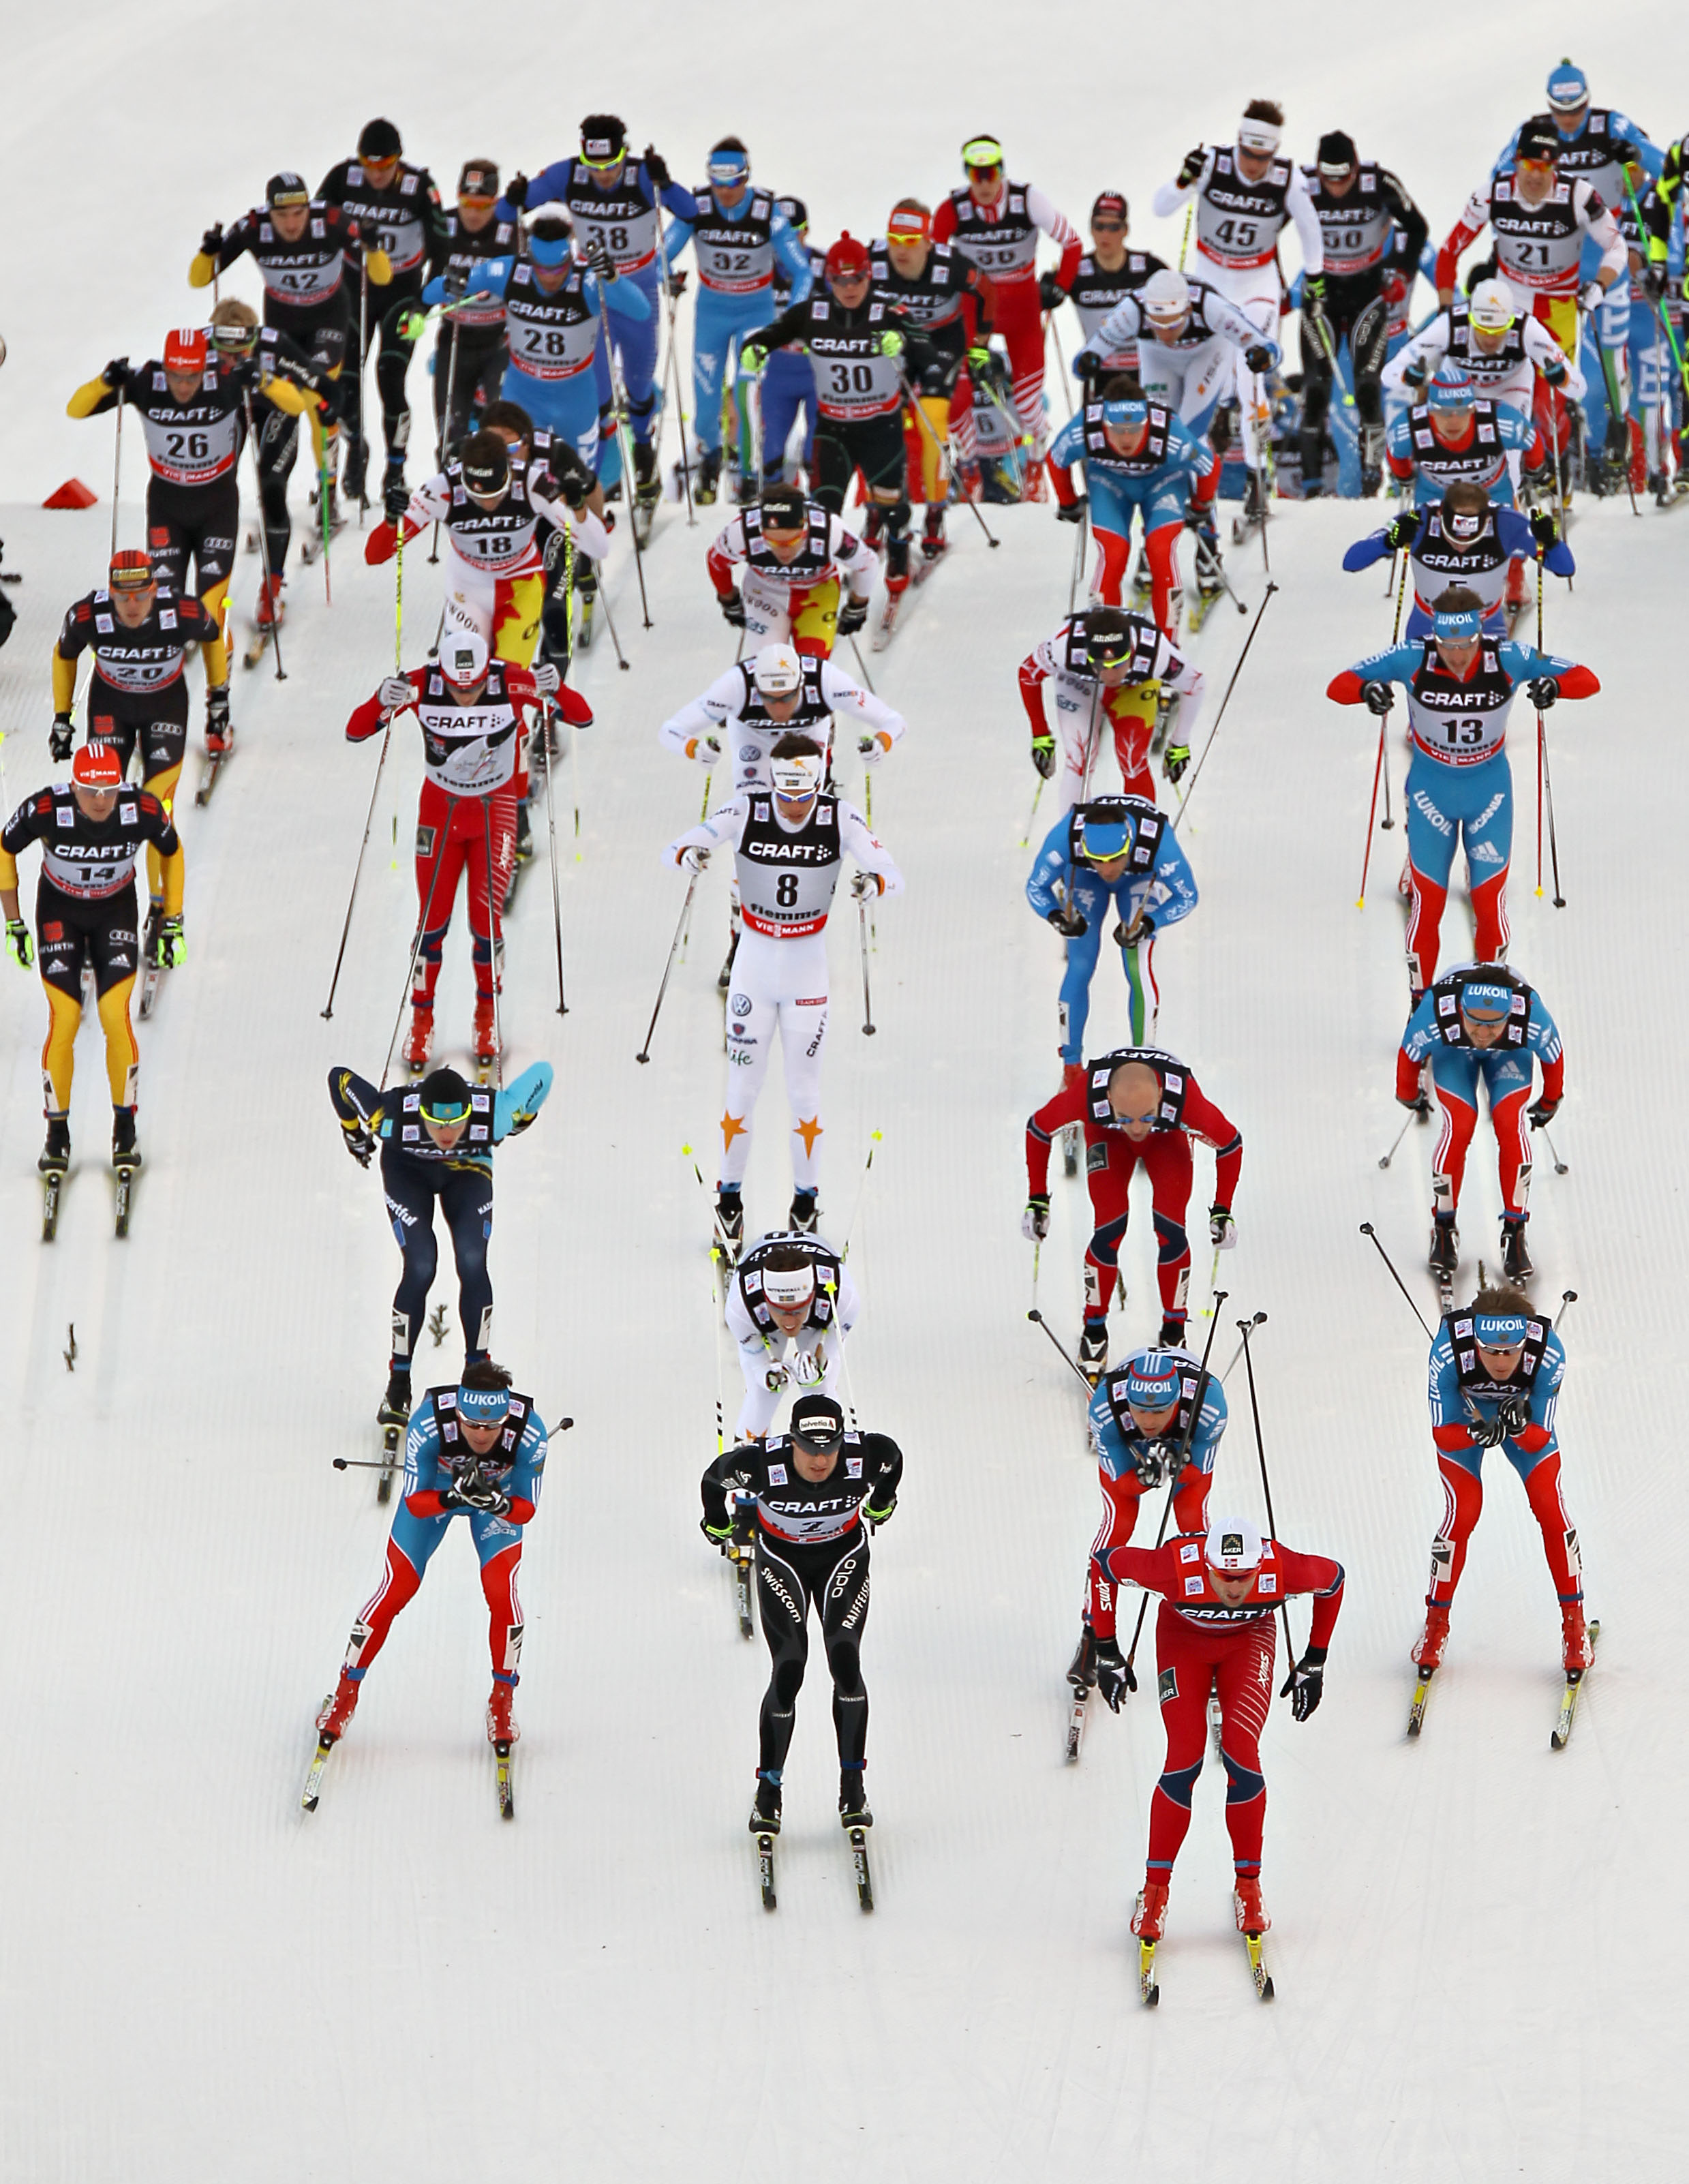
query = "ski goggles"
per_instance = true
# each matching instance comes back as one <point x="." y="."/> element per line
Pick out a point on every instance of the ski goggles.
<point x="1497" y="1330"/>
<point x="598" y="154"/>
<point x="981" y="155"/>
<point x="1101" y="840"/>
<point x="1108" y="652"/>
<point x="1122" y="412"/>
<point x="729" y="167"/>
<point x="483" y="1406"/>
<point x="1453" y="628"/>
<point x="908" y="223"/>
<point x="549" y="253"/>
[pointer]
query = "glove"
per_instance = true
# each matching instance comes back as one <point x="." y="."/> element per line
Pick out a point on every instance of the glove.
<point x="1071" y="924"/>
<point x="1395" y="287"/>
<point x="1222" y="1229"/>
<point x="472" y="1491"/>
<point x="979" y="357"/>
<point x="1419" y="1104"/>
<point x="852" y="615"/>
<point x="599" y="259"/>
<point x="1380" y="698"/>
<point x="1129" y="936"/>
<point x="1313" y="295"/>
<point x="1543" y="528"/>
<point x="1187" y="174"/>
<point x="169" y="949"/>
<point x="1541" y="1111"/>
<point x="1035" y="1220"/>
<point x="574" y="491"/>
<point x="705" y="750"/>
<point x="396" y="691"/>
<point x="547" y="678"/>
<point x="455" y="284"/>
<point x="870" y="749"/>
<point x="674" y="283"/>
<point x="733" y="608"/>
<point x="879" y="1513"/>
<point x="1555" y="372"/>
<point x="116" y="373"/>
<point x="657" y="167"/>
<point x="1652" y="278"/>
<point x="775" y="1379"/>
<point x="394" y="502"/>
<point x="1416" y="374"/>
<point x="1488" y="1433"/>
<point x="809" y="1367"/>
<point x="212" y="241"/>
<point x="412" y="324"/>
<point x="1402" y="531"/>
<point x="19" y="945"/>
<point x="516" y="190"/>
<point x="891" y="343"/>
<point x="720" y="1536"/>
<point x="1114" y="1676"/>
<point x="1515" y="1413"/>
<point x="1174" y="759"/>
<point x="1071" y="511"/>
<point x="693" y="859"/>
<point x="1542" y="691"/>
<point x="1260" y="356"/>
<point x="1151" y="1463"/>
<point x="1592" y="297"/>
<point x="752" y="358"/>
<point x="60" y="736"/>
<point x="1051" y="295"/>
<point x="361" y="1144"/>
<point x="1087" y="364"/>
<point x="866" y="883"/>
<point x="1305" y="1686"/>
<point x="1043" y="754"/>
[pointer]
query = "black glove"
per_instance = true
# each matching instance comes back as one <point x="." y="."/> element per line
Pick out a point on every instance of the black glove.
<point x="1114" y="1677"/>
<point x="1380" y="697"/>
<point x="1087" y="364"/>
<point x="1543" y="528"/>
<point x="1515" y="1413"/>
<point x="60" y="737"/>
<point x="1542" y="691"/>
<point x="1174" y="759"/>
<point x="1418" y="1104"/>
<point x="1044" y="755"/>
<point x="1542" y="1110"/>
<point x="1416" y="374"/>
<point x="1305" y="1686"/>
<point x="1488" y="1433"/>
<point x="1073" y="511"/>
<point x="674" y="280"/>
<point x="1035" y="1220"/>
<point x="1072" y="924"/>
<point x="1143" y="931"/>
<point x="574" y="491"/>
<point x="516" y="190"/>
<point x="455" y="284"/>
<point x="1152" y="1462"/>
<point x="394" y="502"/>
<point x="599" y="259"/>
<point x="853" y="613"/>
<point x="1652" y="278"/>
<point x="1555" y="373"/>
<point x="1402" y="531"/>
<point x="212" y="241"/>
<point x="116" y="373"/>
<point x="1258" y="357"/>
<point x="472" y="1491"/>
<point x="1192" y="167"/>
<point x="359" y="1144"/>
<point x="733" y="608"/>
<point x="876" y="1513"/>
<point x="1051" y="295"/>
<point x="657" y="167"/>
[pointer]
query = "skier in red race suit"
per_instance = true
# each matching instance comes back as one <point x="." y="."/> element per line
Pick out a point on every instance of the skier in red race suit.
<point x="1214" y="1631"/>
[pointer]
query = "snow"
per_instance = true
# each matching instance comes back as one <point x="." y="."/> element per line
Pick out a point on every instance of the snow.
<point x="197" y="1981"/>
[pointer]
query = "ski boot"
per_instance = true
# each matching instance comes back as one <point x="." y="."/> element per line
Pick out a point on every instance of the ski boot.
<point x="421" y="1037"/>
<point x="803" y="1215"/>
<point x="392" y="476"/>
<point x="395" y="1405"/>
<point x="125" y="1152"/>
<point x="933" y="539"/>
<point x="335" y="1714"/>
<point x="1093" y="1349"/>
<point x="501" y="1726"/>
<point x="1372" y="461"/>
<point x="1172" y="1335"/>
<point x="1149" y="1920"/>
<point x="1252" y="1919"/>
<point x="524" y="833"/>
<point x="1517" y="1263"/>
<point x="707" y="483"/>
<point x="1443" y="1256"/>
<point x="730" y="1220"/>
<point x="873" y="530"/>
<point x="1427" y="1650"/>
<point x="765" y="1812"/>
<point x="724" y="977"/>
<point x="55" y="1158"/>
<point x="853" y="1799"/>
<point x="219" y="729"/>
<point x="354" y="473"/>
<point x="1254" y="501"/>
<point x="648" y="487"/>
<point x="486" y="1040"/>
<point x="1082" y="1668"/>
<point x="1575" y="1651"/>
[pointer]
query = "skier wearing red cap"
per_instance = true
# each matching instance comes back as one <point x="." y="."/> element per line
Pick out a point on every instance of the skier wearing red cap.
<point x="90" y="830"/>
<point x="998" y="222"/>
<point x="469" y="708"/>
<point x="193" y="419"/>
<point x="1214" y="1631"/>
<point x="862" y="351"/>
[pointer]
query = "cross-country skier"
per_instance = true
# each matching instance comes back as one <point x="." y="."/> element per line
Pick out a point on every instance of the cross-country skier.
<point x="1108" y="673"/>
<point x="813" y="1487"/>
<point x="1107" y="272"/>
<point x="470" y="354"/>
<point x="1464" y="538"/>
<point x="790" y="1305"/>
<point x="1136" y="1104"/>
<point x="1457" y="435"/>
<point x="803" y="576"/>
<point x="778" y="691"/>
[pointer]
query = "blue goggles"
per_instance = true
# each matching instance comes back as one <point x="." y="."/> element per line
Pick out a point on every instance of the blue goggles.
<point x="483" y="1406"/>
<point x="1452" y="627"/>
<point x="1121" y="413"/>
<point x="1102" y="838"/>
<point x="1497" y="1330"/>
<point x="729" y="167"/>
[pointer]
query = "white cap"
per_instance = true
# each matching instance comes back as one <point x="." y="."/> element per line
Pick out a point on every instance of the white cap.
<point x="463" y="658"/>
<point x="788" y="1287"/>
<point x="1492" y="309"/>
<point x="1165" y="297"/>
<point x="776" y="670"/>
<point x="1254" y="136"/>
<point x="795" y="778"/>
<point x="1233" y="1546"/>
<point x="553" y="208"/>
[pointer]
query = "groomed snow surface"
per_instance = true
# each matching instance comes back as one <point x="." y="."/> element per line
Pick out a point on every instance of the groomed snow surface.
<point x="1472" y="1935"/>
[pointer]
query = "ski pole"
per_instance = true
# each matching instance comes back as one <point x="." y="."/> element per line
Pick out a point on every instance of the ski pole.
<point x="617" y="395"/>
<point x="922" y="419"/>
<point x="856" y="1203"/>
<point x="867" y="1005"/>
<point x="1259" y="1320"/>
<point x="1559" y="1165"/>
<point x="1206" y="557"/>
<point x="421" y="928"/>
<point x="1247" y="1327"/>
<point x="1544" y="778"/>
<point x="610" y="623"/>
<point x="1184" y="802"/>
<point x="550" y="779"/>
<point x="1032" y="816"/>
<point x="1372" y="813"/>
<point x="1185" y="1439"/>
<point x="1036" y="1316"/>
<point x="363" y="345"/>
<point x="273" y="598"/>
<point x="1414" y="1116"/>
<point x="645" y="1053"/>
<point x="679" y="402"/>
<point x="1091" y="740"/>
<point x="1387" y="823"/>
<point x="862" y="667"/>
<point x="451" y="328"/>
<point x="1568" y="1299"/>
<point x="385" y="1463"/>
<point x="494" y="930"/>
<point x="1080" y="529"/>
<point x="1367" y="1229"/>
<point x="117" y="471"/>
<point x="358" y="869"/>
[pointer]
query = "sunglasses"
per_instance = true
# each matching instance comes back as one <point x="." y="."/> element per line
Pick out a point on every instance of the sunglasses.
<point x="1108" y="227"/>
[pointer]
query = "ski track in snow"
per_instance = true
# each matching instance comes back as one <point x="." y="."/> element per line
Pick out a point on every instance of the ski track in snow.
<point x="197" y="1980"/>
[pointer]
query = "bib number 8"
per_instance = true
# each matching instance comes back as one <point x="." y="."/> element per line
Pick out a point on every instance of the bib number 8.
<point x="786" y="890"/>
